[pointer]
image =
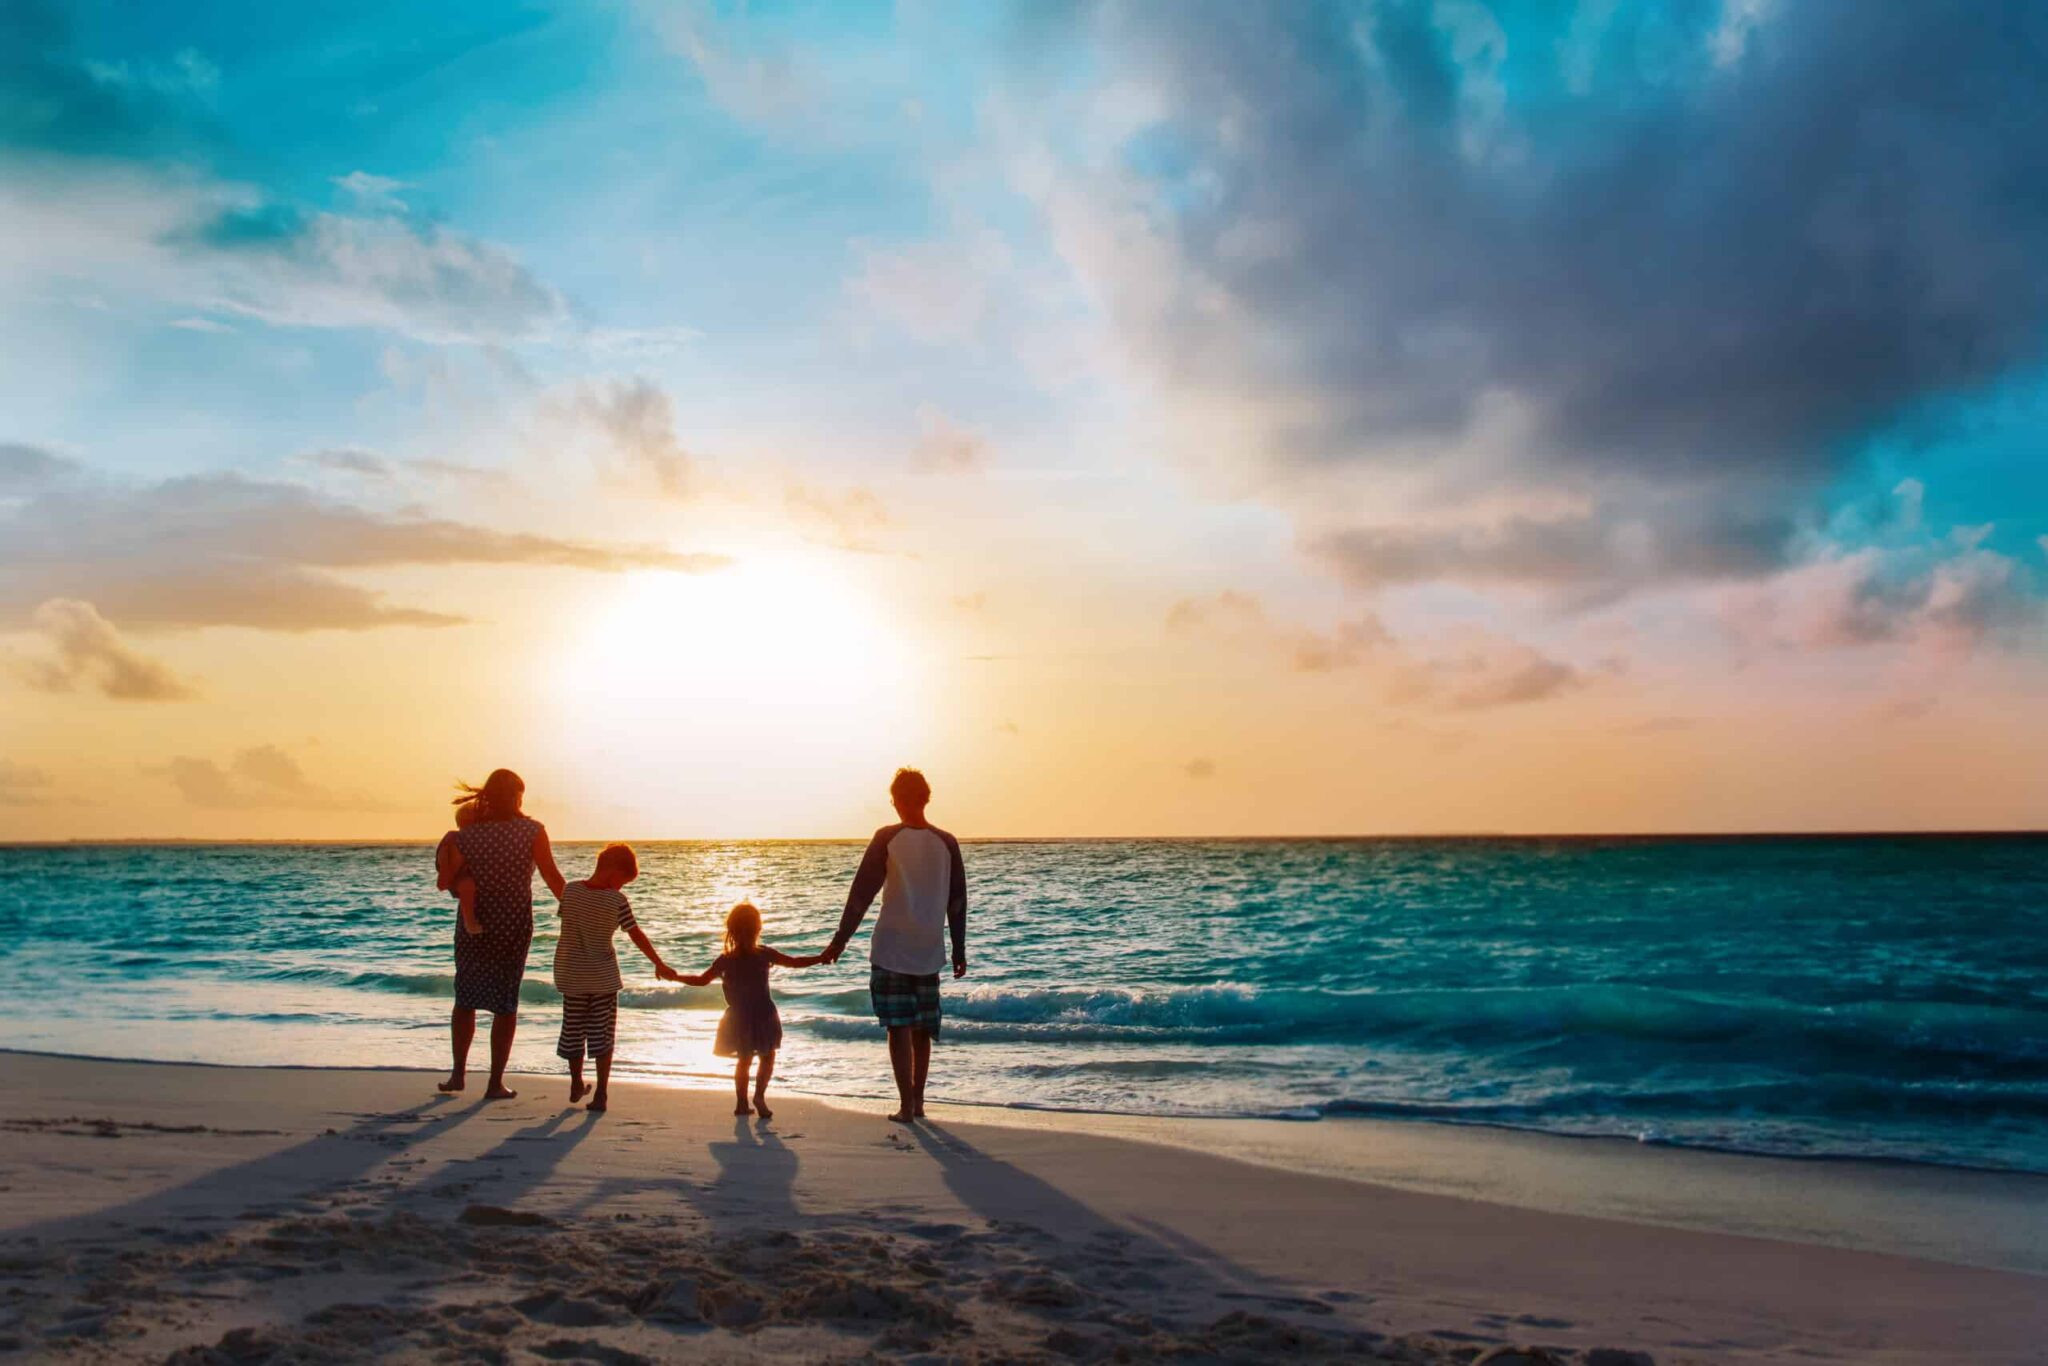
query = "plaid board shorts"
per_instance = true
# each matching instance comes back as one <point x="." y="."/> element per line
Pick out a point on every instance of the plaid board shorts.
<point x="903" y="998"/>
<point x="588" y="1022"/>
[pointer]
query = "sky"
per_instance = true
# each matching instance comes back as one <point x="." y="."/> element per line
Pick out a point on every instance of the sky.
<point x="1404" y="416"/>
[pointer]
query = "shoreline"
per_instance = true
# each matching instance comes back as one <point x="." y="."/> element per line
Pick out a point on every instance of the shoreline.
<point x="1963" y="1216"/>
<point x="322" y="1215"/>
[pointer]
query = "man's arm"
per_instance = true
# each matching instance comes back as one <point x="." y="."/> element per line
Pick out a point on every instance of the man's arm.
<point x="867" y="884"/>
<point x="956" y="907"/>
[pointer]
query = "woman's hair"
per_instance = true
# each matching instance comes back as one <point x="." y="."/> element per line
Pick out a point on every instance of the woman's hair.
<point x="498" y="799"/>
<point x="742" y="930"/>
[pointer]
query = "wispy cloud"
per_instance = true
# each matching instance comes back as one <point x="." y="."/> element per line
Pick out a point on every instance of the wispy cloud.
<point x="84" y="653"/>
<point x="945" y="447"/>
<point x="24" y="784"/>
<point x="260" y="777"/>
<point x="1463" y="669"/>
<point x="226" y="550"/>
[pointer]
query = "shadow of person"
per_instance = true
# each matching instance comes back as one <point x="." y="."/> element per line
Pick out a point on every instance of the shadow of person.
<point x="1134" y="1265"/>
<point x="756" y="1181"/>
<point x="518" y="1164"/>
<point x="288" y="1180"/>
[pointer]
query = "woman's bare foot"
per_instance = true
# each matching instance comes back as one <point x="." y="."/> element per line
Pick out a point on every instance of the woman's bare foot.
<point x="903" y="1117"/>
<point x="453" y="1084"/>
<point x="576" y="1090"/>
<point x="761" y="1107"/>
<point x="599" y="1103"/>
<point x="741" y="1110"/>
<point x="500" y="1091"/>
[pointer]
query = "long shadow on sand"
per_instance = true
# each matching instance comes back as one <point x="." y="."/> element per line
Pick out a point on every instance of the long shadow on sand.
<point x="277" y="1183"/>
<point x="1147" y="1263"/>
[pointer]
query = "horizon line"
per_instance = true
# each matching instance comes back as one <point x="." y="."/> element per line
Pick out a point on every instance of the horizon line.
<point x="1981" y="832"/>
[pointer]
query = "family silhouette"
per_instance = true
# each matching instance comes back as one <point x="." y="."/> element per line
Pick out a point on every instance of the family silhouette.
<point x="487" y="863"/>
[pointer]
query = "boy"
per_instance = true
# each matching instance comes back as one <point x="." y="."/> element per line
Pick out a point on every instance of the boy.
<point x="916" y="867"/>
<point x="587" y="971"/>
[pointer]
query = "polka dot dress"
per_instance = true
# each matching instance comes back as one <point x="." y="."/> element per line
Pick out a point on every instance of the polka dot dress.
<point x="490" y="966"/>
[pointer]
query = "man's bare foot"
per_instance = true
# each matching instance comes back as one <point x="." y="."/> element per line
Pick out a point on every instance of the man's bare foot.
<point x="452" y="1085"/>
<point x="599" y="1103"/>
<point x="761" y="1107"/>
<point x="576" y="1090"/>
<point x="741" y="1110"/>
<point x="903" y="1117"/>
<point x="501" y="1092"/>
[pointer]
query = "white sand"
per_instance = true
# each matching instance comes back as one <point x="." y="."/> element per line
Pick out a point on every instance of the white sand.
<point x="252" y="1215"/>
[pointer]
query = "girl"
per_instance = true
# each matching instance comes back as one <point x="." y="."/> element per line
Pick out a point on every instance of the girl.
<point x="751" y="1024"/>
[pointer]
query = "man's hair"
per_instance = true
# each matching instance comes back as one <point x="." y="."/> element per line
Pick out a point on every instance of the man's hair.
<point x="620" y="859"/>
<point x="910" y="788"/>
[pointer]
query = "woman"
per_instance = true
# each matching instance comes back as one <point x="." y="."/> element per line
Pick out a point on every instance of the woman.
<point x="499" y="851"/>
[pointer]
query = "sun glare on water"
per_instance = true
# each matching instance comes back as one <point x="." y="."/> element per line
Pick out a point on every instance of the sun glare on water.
<point x="776" y="684"/>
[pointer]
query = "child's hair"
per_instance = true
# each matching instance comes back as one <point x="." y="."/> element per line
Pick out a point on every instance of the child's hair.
<point x="498" y="799"/>
<point x="742" y="930"/>
<point x="466" y="813"/>
<point x="910" y="788"/>
<point x="620" y="859"/>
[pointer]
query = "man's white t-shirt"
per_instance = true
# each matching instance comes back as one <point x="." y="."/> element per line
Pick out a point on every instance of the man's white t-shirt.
<point x="917" y="871"/>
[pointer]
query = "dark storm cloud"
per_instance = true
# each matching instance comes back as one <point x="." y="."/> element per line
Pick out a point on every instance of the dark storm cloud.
<point x="1692" y="256"/>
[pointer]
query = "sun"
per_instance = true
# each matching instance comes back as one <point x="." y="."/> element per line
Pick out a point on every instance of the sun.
<point x="781" y="675"/>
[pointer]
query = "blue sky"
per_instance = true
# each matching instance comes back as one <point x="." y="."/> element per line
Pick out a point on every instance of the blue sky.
<point x="1686" y="358"/>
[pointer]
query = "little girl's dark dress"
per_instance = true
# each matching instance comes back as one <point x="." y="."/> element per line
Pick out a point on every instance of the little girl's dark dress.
<point x="751" y="1023"/>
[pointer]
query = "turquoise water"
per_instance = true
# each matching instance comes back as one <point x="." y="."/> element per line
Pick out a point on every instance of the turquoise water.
<point x="1865" y="997"/>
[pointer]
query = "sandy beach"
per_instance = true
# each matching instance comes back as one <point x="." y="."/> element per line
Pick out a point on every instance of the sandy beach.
<point x="208" y="1214"/>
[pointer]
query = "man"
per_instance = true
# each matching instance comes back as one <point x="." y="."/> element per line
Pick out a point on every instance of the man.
<point x="916" y="867"/>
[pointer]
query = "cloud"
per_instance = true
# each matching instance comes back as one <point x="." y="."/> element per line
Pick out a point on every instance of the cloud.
<point x="1198" y="769"/>
<point x="263" y="776"/>
<point x="106" y="181"/>
<point x="937" y="291"/>
<point x="207" y="325"/>
<point x="375" y="191"/>
<point x="23" y="784"/>
<point x="1674" y="263"/>
<point x="348" y="460"/>
<point x="1465" y="669"/>
<point x="637" y="420"/>
<point x="23" y="468"/>
<point x="87" y="653"/>
<point x="227" y="550"/>
<point x="945" y="447"/>
<point x="1943" y="607"/>
<point x="846" y="518"/>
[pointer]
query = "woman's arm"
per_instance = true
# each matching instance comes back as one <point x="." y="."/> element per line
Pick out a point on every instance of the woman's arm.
<point x="544" y="859"/>
<point x="784" y="960"/>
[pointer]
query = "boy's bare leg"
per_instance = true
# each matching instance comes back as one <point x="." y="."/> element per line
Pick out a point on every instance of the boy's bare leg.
<point x="921" y="1047"/>
<point x="740" y="1066"/>
<point x="576" y="1087"/>
<point x="503" y="1026"/>
<point x="903" y="1062"/>
<point x="762" y="1073"/>
<point x="601" y="1100"/>
<point x="461" y="1032"/>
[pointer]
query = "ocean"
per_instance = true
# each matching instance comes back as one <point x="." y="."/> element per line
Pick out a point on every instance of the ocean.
<point x="1870" y="997"/>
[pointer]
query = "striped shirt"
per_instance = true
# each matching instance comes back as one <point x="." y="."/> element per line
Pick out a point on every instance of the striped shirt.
<point x="584" y="962"/>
